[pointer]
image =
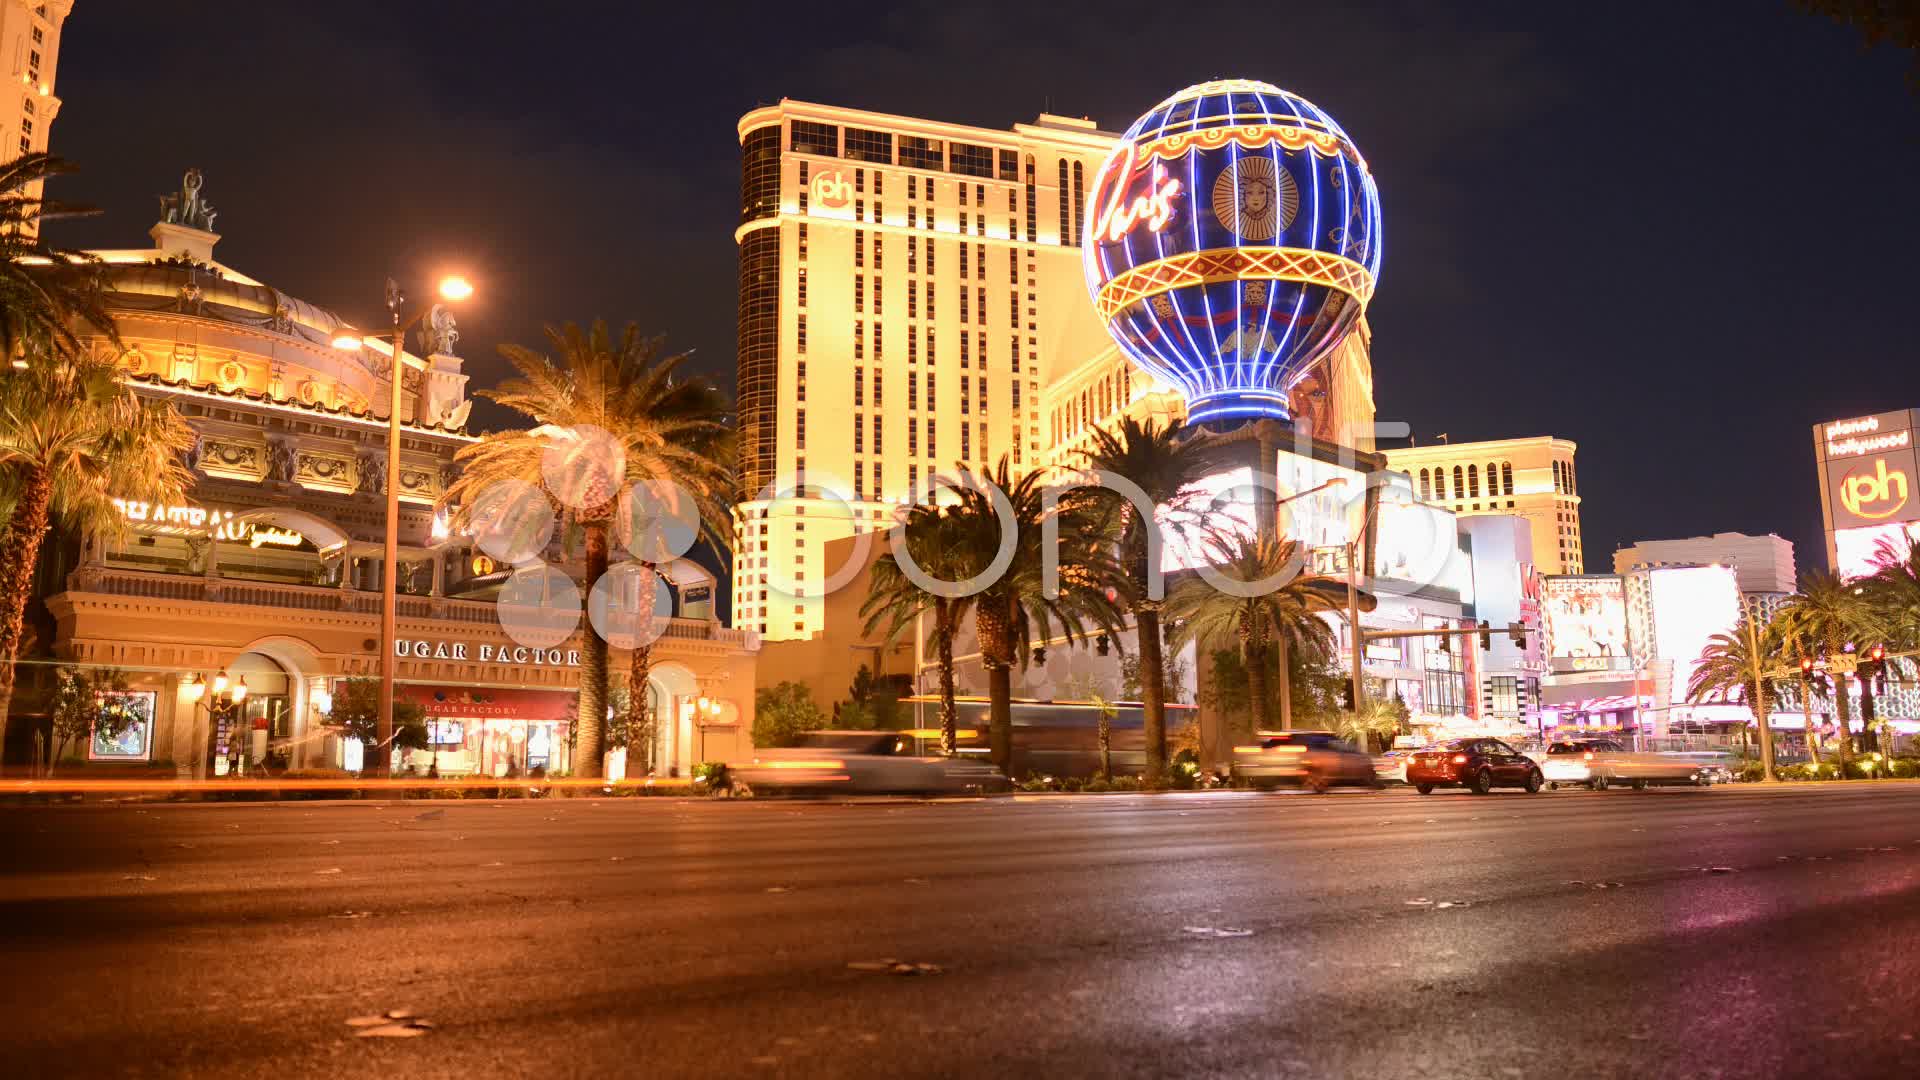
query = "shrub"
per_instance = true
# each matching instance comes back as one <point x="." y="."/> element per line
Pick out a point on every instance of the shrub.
<point x="1098" y="785"/>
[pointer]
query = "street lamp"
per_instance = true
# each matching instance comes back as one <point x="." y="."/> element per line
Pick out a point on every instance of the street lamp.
<point x="222" y="704"/>
<point x="452" y="289"/>
<point x="706" y="710"/>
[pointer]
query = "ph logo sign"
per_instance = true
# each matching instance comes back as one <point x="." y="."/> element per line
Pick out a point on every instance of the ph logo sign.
<point x="1877" y="494"/>
<point x="830" y="187"/>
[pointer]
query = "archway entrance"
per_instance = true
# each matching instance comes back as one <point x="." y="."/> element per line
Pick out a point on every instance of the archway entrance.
<point x="673" y="690"/>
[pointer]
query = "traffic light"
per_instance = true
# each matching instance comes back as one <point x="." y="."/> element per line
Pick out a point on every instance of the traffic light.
<point x="1517" y="632"/>
<point x="1486" y="636"/>
<point x="1806" y="665"/>
<point x="1102" y="644"/>
<point x="1346" y="695"/>
<point x="1446" y="642"/>
<point x="1877" y="653"/>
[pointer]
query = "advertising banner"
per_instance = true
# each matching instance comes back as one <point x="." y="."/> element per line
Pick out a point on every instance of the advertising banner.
<point x="1859" y="552"/>
<point x="1586" y="622"/>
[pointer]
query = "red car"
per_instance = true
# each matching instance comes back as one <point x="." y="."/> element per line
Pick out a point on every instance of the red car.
<point x="1479" y="765"/>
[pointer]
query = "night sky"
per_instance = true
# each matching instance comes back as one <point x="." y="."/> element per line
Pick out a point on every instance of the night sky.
<point x="1678" y="234"/>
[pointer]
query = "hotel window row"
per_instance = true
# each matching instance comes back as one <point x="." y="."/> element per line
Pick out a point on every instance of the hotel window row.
<point x="1466" y="481"/>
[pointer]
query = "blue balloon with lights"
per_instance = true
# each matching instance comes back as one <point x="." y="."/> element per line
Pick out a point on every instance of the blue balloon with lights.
<point x="1233" y="241"/>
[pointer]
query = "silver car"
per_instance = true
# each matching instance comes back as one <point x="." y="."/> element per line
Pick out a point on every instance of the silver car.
<point x="867" y="763"/>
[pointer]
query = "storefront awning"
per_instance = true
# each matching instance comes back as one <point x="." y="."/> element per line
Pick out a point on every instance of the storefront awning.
<point x="486" y="703"/>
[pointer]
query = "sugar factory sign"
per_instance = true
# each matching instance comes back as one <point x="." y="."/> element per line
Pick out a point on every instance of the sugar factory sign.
<point x="483" y="652"/>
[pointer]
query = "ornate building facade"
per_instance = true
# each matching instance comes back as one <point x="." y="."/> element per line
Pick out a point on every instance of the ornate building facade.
<point x="271" y="572"/>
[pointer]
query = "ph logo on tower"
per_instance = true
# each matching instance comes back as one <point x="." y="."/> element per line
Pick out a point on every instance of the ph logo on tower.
<point x="1877" y="494"/>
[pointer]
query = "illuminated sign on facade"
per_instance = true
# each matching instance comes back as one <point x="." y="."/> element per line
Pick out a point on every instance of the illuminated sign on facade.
<point x="1869" y="466"/>
<point x="1586" y="622"/>
<point x="830" y="187"/>
<point x="197" y="519"/>
<point x="485" y="652"/>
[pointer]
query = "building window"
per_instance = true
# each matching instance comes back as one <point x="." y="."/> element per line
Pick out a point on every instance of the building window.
<point x="870" y="146"/>
<point x="1506" y="477"/>
<point x="859" y="292"/>
<point x="800" y="334"/>
<point x="878" y="341"/>
<point x="966" y="441"/>
<point x="800" y="288"/>
<point x="1033" y="203"/>
<point x="876" y="435"/>
<point x="1016" y="395"/>
<point x="859" y="433"/>
<point x="931" y="404"/>
<point x="878" y="387"/>
<point x="859" y="247"/>
<point x="1079" y="203"/>
<point x="859" y="339"/>
<point x="965" y="355"/>
<point x="1473" y="481"/>
<point x="980" y="261"/>
<point x="913" y="297"/>
<point x="800" y="381"/>
<point x="913" y="390"/>
<point x="980" y="384"/>
<point x="803" y="242"/>
<point x="963" y="262"/>
<point x="800" y="429"/>
<point x="877" y="281"/>
<point x="913" y="343"/>
<point x="913" y="253"/>
<point x="1066" y="207"/>
<point x="930" y="351"/>
<point x="932" y="450"/>
<point x="970" y="160"/>
<point x="980" y="311"/>
<point x="1426" y="490"/>
<point x="811" y="138"/>
<point x="859" y="386"/>
<point x="929" y="262"/>
<point x="1459" y="482"/>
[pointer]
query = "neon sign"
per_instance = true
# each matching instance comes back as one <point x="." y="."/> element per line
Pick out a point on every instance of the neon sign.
<point x="830" y="187"/>
<point x="1866" y="495"/>
<point x="1155" y="206"/>
<point x="197" y="518"/>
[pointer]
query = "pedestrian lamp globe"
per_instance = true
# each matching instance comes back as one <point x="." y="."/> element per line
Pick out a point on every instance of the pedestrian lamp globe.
<point x="1232" y="240"/>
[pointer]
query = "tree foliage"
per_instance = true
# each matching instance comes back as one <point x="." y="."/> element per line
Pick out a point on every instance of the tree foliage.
<point x="784" y="712"/>
<point x="355" y="713"/>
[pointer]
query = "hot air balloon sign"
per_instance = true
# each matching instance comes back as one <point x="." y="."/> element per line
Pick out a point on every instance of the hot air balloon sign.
<point x="1234" y="241"/>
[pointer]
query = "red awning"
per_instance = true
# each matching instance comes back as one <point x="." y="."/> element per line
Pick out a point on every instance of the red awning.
<point x="486" y="703"/>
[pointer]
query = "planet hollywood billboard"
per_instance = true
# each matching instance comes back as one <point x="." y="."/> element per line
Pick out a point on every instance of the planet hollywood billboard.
<point x="1868" y="468"/>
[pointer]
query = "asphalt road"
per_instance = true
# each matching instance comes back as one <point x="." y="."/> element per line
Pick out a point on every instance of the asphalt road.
<point x="1364" y="934"/>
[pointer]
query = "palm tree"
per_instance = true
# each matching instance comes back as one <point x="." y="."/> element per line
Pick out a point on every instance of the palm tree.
<point x="1833" y="615"/>
<point x="624" y="432"/>
<point x="1013" y="612"/>
<point x="1794" y="647"/>
<point x="74" y="438"/>
<point x="1377" y="717"/>
<point x="48" y="295"/>
<point x="895" y="602"/>
<point x="1725" y="672"/>
<point x="1288" y="613"/>
<point x="1166" y="463"/>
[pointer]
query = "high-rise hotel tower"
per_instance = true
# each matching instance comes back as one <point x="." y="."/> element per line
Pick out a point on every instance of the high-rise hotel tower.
<point x="908" y="291"/>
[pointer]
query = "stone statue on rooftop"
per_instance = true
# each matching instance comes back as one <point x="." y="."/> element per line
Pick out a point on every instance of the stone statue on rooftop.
<point x="438" y="334"/>
<point x="187" y="207"/>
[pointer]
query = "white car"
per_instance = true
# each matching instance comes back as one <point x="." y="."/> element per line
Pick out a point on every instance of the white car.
<point x="867" y="763"/>
<point x="1589" y="763"/>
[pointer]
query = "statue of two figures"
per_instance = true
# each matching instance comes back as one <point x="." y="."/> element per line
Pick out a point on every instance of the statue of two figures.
<point x="187" y="207"/>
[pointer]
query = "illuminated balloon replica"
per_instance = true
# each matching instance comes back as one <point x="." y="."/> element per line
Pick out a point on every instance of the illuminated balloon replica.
<point x="1234" y="241"/>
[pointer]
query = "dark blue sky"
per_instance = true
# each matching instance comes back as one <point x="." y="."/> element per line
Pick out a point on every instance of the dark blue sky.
<point x="1678" y="234"/>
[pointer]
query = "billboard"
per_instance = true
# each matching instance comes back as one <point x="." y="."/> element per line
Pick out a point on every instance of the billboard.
<point x="1869" y="467"/>
<point x="1858" y="552"/>
<point x="1320" y="507"/>
<point x="1586" y="622"/>
<point x="1690" y="604"/>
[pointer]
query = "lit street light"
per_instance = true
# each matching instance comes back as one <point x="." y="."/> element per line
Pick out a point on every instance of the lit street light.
<point x="452" y="289"/>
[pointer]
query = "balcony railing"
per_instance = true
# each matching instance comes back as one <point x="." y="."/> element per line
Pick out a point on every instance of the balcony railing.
<point x="266" y="594"/>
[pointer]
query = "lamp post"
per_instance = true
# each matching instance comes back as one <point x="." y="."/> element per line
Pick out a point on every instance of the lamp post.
<point x="1749" y="607"/>
<point x="705" y="709"/>
<point x="222" y="708"/>
<point x="452" y="289"/>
